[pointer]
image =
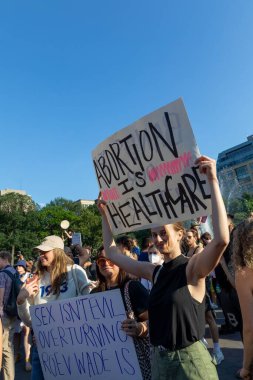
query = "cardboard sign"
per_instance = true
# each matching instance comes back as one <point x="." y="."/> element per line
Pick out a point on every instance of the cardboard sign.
<point x="147" y="175"/>
<point x="81" y="338"/>
<point x="77" y="238"/>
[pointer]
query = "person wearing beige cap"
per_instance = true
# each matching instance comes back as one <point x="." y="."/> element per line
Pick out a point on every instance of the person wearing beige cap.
<point x="56" y="278"/>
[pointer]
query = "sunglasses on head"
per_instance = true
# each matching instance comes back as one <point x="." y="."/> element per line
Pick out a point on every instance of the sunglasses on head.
<point x="102" y="261"/>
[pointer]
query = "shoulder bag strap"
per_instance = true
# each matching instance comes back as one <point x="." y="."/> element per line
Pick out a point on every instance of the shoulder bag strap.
<point x="75" y="280"/>
<point x="128" y="301"/>
<point x="157" y="274"/>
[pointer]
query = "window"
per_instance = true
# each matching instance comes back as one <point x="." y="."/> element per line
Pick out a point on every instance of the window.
<point x="242" y="174"/>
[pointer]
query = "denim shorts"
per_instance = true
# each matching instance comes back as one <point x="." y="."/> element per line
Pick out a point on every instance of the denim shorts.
<point x="191" y="363"/>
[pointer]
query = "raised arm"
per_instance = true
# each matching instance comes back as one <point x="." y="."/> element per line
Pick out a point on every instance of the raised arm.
<point x="137" y="268"/>
<point x="205" y="261"/>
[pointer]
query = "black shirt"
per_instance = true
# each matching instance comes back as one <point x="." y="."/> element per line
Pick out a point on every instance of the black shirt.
<point x="138" y="295"/>
<point x="176" y="320"/>
<point x="219" y="272"/>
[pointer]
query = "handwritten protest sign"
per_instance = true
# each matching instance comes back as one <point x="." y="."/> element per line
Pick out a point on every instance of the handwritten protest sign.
<point x="146" y="172"/>
<point x="77" y="238"/>
<point x="81" y="338"/>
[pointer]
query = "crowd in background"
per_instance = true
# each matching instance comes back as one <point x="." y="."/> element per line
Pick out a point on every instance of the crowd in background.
<point x="220" y="286"/>
<point x="63" y="270"/>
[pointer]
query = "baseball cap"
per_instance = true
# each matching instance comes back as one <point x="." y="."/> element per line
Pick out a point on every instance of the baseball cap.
<point x="50" y="242"/>
<point x="20" y="263"/>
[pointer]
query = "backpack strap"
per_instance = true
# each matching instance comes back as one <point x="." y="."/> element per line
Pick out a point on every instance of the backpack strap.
<point x="73" y="272"/>
<point x="11" y="275"/>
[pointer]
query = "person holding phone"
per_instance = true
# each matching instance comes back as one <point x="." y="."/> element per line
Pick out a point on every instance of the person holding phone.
<point x="56" y="278"/>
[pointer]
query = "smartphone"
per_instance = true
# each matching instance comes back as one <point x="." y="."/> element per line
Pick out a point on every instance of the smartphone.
<point x="32" y="277"/>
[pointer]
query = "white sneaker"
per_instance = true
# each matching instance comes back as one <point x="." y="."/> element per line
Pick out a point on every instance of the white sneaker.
<point x="218" y="356"/>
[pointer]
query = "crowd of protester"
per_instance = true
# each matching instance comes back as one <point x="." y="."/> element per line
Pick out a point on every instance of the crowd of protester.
<point x="170" y="288"/>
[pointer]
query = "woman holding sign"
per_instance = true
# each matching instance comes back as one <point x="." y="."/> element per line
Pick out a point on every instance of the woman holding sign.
<point x="135" y="299"/>
<point x="177" y="299"/>
<point x="56" y="279"/>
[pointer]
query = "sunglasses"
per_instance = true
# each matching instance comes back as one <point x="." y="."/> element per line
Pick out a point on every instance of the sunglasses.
<point x="102" y="261"/>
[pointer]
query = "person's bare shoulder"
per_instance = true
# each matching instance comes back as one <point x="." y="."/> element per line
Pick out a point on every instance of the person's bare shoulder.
<point x="244" y="276"/>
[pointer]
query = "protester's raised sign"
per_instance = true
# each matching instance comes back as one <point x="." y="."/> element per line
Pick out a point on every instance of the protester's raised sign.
<point x="147" y="175"/>
<point x="77" y="238"/>
<point x="81" y="338"/>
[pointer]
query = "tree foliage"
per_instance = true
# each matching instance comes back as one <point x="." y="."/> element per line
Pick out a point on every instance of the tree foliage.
<point x="67" y="205"/>
<point x="241" y="207"/>
<point x="14" y="202"/>
<point x="16" y="220"/>
<point x="23" y="223"/>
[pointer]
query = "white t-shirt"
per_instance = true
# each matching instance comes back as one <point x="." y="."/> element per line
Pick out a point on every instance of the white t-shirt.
<point x="68" y="290"/>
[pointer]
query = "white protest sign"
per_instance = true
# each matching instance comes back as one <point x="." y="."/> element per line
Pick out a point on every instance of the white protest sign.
<point x="146" y="172"/>
<point x="81" y="338"/>
<point x="77" y="238"/>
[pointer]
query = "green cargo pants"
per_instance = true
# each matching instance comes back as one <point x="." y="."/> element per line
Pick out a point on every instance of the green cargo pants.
<point x="190" y="363"/>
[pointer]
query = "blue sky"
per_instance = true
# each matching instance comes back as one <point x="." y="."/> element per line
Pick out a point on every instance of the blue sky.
<point x="74" y="72"/>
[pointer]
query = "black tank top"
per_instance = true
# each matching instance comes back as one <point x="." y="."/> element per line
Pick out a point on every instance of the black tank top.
<point x="176" y="320"/>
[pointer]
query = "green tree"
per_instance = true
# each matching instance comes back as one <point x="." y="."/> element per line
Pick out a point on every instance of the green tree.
<point x="85" y="220"/>
<point x="50" y="218"/>
<point x="14" y="202"/>
<point x="90" y="226"/>
<point x="67" y="205"/>
<point x="15" y="211"/>
<point x="241" y="207"/>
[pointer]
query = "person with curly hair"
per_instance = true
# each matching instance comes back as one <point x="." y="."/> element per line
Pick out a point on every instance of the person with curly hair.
<point x="243" y="264"/>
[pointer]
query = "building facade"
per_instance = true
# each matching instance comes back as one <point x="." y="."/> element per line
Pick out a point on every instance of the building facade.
<point x="9" y="191"/>
<point x="85" y="203"/>
<point x="235" y="169"/>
